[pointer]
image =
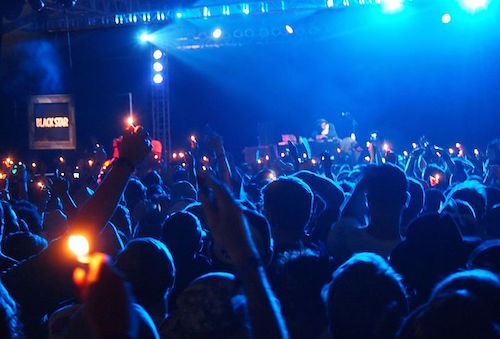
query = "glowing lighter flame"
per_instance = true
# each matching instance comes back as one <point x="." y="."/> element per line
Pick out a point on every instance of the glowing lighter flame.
<point x="79" y="245"/>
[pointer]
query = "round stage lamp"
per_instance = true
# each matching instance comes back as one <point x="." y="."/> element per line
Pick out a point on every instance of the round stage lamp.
<point x="446" y="18"/>
<point x="158" y="78"/>
<point x="158" y="67"/>
<point x="217" y="33"/>
<point x="157" y="54"/>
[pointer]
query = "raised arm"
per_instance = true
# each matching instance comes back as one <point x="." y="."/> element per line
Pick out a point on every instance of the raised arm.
<point x="96" y="212"/>
<point x="229" y="229"/>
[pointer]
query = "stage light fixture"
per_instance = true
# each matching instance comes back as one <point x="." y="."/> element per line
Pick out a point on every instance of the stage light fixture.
<point x="146" y="37"/>
<point x="392" y="6"/>
<point x="475" y="5"/>
<point x="217" y="33"/>
<point x="158" y="67"/>
<point x="446" y="18"/>
<point x="289" y="29"/>
<point x="158" y="78"/>
<point x="157" y="54"/>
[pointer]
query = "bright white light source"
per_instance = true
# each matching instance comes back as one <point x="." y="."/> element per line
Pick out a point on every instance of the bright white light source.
<point x="217" y="33"/>
<point x="145" y="37"/>
<point x="289" y="29"/>
<point x="475" y="5"/>
<point x="79" y="245"/>
<point x="158" y="67"/>
<point x="157" y="54"/>
<point x="392" y="6"/>
<point x="158" y="78"/>
<point x="446" y="18"/>
<point x="178" y="15"/>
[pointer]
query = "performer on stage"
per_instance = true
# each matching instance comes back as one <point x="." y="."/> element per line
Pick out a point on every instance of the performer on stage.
<point x="327" y="131"/>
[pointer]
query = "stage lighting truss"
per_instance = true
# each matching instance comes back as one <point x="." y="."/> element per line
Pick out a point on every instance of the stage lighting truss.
<point x="85" y="16"/>
<point x="160" y="99"/>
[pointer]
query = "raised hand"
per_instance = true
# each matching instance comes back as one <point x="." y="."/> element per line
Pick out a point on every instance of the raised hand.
<point x="135" y="145"/>
<point x="106" y="299"/>
<point x="226" y="220"/>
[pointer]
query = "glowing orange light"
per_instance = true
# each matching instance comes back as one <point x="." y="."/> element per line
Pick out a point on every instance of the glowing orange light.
<point x="174" y="155"/>
<point x="62" y="174"/>
<point x="61" y="160"/>
<point x="130" y="120"/>
<point x="181" y="155"/>
<point x="33" y="164"/>
<point x="434" y="180"/>
<point x="205" y="158"/>
<point x="3" y="176"/>
<point x="79" y="245"/>
<point x="40" y="184"/>
<point x="90" y="162"/>
<point x="272" y="176"/>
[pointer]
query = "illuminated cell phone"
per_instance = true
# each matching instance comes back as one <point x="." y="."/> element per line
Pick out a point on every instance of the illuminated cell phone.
<point x="76" y="175"/>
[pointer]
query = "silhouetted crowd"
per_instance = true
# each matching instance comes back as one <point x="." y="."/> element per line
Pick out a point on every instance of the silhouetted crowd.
<point x="392" y="246"/>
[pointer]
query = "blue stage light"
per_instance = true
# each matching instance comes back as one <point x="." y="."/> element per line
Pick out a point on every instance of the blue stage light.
<point x="217" y="33"/>
<point x="178" y="15"/>
<point x="392" y="6"/>
<point x="475" y="5"/>
<point x="158" y="78"/>
<point x="289" y="29"/>
<point x="446" y="18"/>
<point x="158" y="67"/>
<point x="157" y="54"/>
<point x="246" y="9"/>
<point x="146" y="37"/>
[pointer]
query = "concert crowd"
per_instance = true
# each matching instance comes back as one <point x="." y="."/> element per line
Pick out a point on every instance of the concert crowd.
<point x="381" y="244"/>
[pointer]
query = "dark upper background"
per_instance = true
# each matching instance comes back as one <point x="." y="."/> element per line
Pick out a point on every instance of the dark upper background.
<point x="403" y="75"/>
